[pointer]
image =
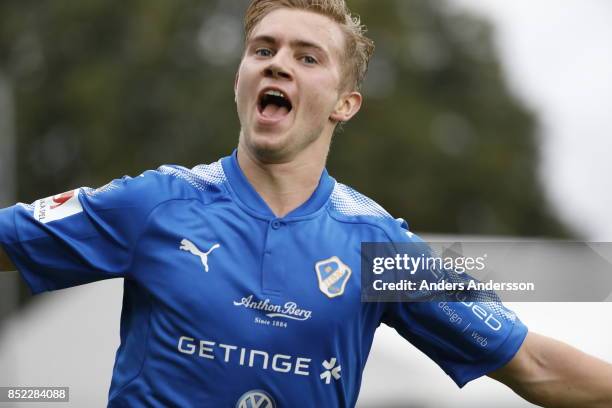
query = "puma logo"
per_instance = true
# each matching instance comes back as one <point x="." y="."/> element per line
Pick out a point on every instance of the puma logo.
<point x="189" y="246"/>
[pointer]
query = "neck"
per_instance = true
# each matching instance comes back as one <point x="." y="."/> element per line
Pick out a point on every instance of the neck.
<point x="284" y="186"/>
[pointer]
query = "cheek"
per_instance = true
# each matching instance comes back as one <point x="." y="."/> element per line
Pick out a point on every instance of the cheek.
<point x="327" y="90"/>
<point x="240" y="83"/>
<point x="242" y="95"/>
<point x="321" y="101"/>
<point x="245" y="77"/>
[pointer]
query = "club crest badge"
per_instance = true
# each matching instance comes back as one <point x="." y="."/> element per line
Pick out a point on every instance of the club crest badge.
<point x="333" y="275"/>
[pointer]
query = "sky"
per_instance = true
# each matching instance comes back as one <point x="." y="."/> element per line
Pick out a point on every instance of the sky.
<point x="558" y="60"/>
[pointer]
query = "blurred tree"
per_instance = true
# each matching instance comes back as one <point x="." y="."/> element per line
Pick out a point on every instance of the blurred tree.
<point x="106" y="88"/>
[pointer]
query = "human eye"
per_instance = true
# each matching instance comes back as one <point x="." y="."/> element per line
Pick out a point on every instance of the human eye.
<point x="263" y="52"/>
<point x="309" y="59"/>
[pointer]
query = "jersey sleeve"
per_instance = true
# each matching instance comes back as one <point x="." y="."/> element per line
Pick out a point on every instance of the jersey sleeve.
<point x="466" y="339"/>
<point x="80" y="236"/>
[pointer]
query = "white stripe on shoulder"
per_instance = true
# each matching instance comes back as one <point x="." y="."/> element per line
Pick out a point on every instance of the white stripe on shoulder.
<point x="349" y="202"/>
<point x="202" y="177"/>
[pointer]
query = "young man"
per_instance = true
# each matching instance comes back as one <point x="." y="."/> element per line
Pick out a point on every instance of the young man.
<point x="241" y="277"/>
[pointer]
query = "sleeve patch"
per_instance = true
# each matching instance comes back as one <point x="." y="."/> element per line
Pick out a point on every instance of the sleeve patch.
<point x="57" y="207"/>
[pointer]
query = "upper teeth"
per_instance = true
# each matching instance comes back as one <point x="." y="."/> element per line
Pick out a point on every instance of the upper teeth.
<point x="275" y="93"/>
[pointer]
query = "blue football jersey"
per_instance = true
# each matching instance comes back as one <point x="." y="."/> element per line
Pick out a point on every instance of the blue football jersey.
<point x="226" y="305"/>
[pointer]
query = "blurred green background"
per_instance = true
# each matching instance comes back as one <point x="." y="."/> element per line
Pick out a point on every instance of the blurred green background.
<point x="106" y="88"/>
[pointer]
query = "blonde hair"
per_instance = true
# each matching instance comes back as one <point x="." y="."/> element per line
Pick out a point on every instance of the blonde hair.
<point x="359" y="48"/>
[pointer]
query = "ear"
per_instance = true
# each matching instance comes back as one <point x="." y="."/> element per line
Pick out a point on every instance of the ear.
<point x="348" y="105"/>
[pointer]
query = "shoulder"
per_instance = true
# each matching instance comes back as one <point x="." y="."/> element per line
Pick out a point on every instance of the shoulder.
<point x="166" y="183"/>
<point x="347" y="205"/>
<point x="203" y="177"/>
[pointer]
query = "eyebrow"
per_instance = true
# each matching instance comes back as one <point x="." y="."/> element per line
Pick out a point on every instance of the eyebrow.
<point x="294" y="43"/>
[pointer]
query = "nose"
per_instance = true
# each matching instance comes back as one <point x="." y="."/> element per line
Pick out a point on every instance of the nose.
<point x="276" y="69"/>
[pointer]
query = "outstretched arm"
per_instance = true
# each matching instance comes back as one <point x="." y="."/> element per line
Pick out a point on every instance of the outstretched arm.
<point x="550" y="373"/>
<point x="5" y="262"/>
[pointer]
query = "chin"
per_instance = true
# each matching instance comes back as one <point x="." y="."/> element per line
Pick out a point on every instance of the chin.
<point x="269" y="147"/>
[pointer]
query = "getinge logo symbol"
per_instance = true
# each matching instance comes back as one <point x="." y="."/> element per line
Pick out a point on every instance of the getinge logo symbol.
<point x="331" y="370"/>
<point x="255" y="399"/>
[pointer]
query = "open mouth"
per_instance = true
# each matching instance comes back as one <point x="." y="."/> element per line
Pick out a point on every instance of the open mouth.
<point x="274" y="104"/>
